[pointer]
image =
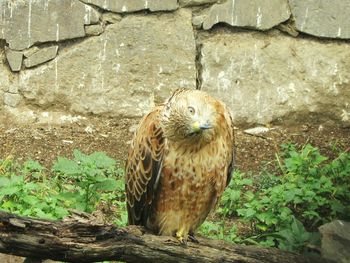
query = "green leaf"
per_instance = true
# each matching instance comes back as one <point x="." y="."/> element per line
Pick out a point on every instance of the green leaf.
<point x="66" y="166"/>
<point x="120" y="185"/>
<point x="289" y="195"/>
<point x="4" y="181"/>
<point x="10" y="205"/>
<point x="16" y="180"/>
<point x="108" y="184"/>
<point x="61" y="212"/>
<point x="235" y="195"/>
<point x="102" y="160"/>
<point x="247" y="213"/>
<point x="337" y="207"/>
<point x="30" y="199"/>
<point x="249" y="195"/>
<point x="32" y="166"/>
<point x="299" y="230"/>
<point x="31" y="186"/>
<point x="10" y="190"/>
<point x="285" y="214"/>
<point x="71" y="197"/>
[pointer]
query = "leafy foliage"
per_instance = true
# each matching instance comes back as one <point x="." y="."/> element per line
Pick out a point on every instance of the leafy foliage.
<point x="307" y="191"/>
<point x="82" y="183"/>
<point x="26" y="190"/>
<point x="85" y="177"/>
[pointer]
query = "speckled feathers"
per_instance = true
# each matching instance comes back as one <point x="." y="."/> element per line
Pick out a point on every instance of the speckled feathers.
<point x="179" y="163"/>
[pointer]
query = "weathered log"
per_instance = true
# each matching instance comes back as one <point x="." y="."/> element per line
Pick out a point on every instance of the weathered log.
<point x="82" y="239"/>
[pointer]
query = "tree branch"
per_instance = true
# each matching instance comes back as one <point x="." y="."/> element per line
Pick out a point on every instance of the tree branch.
<point x="83" y="239"/>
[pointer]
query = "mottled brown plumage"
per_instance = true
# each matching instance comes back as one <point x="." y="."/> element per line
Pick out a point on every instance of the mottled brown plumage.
<point x="179" y="163"/>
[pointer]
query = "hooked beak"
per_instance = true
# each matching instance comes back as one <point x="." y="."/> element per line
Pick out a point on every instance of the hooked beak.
<point x="197" y="126"/>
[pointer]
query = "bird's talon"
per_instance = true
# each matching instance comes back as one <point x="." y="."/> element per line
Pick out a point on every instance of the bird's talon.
<point x="179" y="236"/>
<point x="183" y="241"/>
<point x="193" y="239"/>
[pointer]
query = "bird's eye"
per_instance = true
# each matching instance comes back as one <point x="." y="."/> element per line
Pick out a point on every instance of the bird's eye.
<point x="191" y="110"/>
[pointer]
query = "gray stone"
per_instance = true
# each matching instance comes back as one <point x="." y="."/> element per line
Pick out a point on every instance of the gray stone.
<point x="124" y="6"/>
<point x="25" y="23"/>
<point x="268" y="78"/>
<point x="261" y="15"/>
<point x="14" y="58"/>
<point x="3" y="6"/>
<point x="196" y="2"/>
<point x="13" y="89"/>
<point x="41" y="56"/>
<point x="125" y="71"/>
<point x="336" y="241"/>
<point x="4" y="78"/>
<point x="322" y="18"/>
<point x="8" y="84"/>
<point x="93" y="30"/>
<point x="30" y="51"/>
<point x="4" y="73"/>
<point x="12" y="100"/>
<point x="111" y="18"/>
<point x="1" y="102"/>
<point x="197" y="21"/>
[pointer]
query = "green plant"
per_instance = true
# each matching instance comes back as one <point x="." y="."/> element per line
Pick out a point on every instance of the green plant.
<point x="220" y="230"/>
<point x="86" y="176"/>
<point x="295" y="237"/>
<point x="26" y="190"/>
<point x="308" y="190"/>
<point x="239" y="185"/>
<point x="86" y="182"/>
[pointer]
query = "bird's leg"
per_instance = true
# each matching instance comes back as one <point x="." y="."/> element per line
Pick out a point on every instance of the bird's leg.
<point x="180" y="235"/>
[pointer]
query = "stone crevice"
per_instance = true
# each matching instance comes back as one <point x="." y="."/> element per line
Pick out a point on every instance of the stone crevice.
<point x="198" y="62"/>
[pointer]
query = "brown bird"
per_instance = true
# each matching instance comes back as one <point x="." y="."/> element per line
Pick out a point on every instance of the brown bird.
<point x="179" y="163"/>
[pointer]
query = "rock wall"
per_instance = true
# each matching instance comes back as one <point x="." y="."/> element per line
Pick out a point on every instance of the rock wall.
<point x="275" y="61"/>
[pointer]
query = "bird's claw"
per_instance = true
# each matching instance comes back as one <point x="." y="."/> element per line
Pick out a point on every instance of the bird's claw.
<point x="182" y="240"/>
<point x="192" y="238"/>
<point x="180" y="237"/>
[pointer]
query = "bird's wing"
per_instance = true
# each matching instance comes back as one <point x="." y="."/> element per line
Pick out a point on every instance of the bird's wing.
<point x="143" y="168"/>
<point x="231" y="141"/>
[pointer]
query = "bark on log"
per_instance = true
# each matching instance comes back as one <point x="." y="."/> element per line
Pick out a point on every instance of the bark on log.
<point x="82" y="239"/>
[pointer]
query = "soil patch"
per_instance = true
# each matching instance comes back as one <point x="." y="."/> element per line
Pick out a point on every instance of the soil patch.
<point x="44" y="142"/>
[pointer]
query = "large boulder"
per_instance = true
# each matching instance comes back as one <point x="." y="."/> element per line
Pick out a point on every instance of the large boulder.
<point x="322" y="18"/>
<point x="24" y="23"/>
<point x="336" y="241"/>
<point x="124" y="71"/>
<point x="273" y="78"/>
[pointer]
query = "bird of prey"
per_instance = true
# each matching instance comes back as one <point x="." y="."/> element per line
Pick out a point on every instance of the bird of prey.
<point x="179" y="163"/>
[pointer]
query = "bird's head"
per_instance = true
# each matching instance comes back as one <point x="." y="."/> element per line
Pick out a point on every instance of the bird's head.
<point x="189" y="115"/>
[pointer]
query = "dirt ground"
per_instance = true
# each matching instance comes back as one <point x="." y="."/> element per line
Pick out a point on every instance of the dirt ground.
<point x="44" y="142"/>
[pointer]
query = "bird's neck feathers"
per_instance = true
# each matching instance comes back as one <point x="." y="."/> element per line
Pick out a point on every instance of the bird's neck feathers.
<point x="191" y="144"/>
